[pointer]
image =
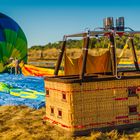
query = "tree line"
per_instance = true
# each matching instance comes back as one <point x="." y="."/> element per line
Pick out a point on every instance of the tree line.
<point x="97" y="42"/>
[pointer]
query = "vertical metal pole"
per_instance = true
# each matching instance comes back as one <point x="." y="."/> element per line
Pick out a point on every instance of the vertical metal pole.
<point x="85" y="52"/>
<point x="134" y="54"/>
<point x="60" y="57"/>
<point x="113" y="54"/>
<point x="41" y="55"/>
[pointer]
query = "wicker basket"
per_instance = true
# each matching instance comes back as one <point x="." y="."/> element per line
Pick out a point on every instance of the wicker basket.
<point x="96" y="103"/>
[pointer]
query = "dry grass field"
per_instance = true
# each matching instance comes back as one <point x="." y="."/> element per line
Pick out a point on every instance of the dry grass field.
<point x="52" y="54"/>
<point x="75" y="52"/>
<point x="23" y="123"/>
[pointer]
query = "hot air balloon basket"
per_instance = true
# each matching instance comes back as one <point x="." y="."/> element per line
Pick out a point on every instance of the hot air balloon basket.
<point x="105" y="103"/>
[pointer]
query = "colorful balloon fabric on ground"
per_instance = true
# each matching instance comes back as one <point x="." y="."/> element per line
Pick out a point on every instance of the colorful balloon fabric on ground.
<point x="21" y="90"/>
<point x="23" y="93"/>
<point x="13" y="43"/>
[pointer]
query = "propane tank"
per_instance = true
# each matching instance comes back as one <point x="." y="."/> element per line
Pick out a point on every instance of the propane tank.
<point x="120" y="24"/>
<point x="108" y="23"/>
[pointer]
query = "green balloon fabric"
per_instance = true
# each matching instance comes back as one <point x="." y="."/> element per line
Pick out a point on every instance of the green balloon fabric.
<point x="13" y="42"/>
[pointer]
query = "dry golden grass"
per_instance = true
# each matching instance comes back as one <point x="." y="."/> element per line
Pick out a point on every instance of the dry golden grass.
<point x="20" y="123"/>
<point x="75" y="52"/>
<point x="42" y="59"/>
<point x="23" y="123"/>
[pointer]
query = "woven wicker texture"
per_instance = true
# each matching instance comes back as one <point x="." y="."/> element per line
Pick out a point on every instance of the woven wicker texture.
<point x="93" y="104"/>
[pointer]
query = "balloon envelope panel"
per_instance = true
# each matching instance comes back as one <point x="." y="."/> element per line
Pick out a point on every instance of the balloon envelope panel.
<point x="13" y="42"/>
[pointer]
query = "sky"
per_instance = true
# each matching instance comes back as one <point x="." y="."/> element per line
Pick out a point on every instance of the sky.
<point x="45" y="21"/>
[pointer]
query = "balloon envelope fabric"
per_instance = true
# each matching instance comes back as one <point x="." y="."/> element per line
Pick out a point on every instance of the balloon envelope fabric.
<point x="13" y="43"/>
<point x="15" y="90"/>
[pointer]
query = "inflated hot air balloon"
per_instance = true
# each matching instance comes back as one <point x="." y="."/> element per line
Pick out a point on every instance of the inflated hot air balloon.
<point x="13" y="43"/>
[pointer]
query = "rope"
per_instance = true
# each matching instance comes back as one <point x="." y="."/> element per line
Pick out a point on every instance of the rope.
<point x="124" y="48"/>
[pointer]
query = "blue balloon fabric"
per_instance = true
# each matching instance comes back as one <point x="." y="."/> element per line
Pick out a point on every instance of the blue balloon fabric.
<point x="21" y="83"/>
